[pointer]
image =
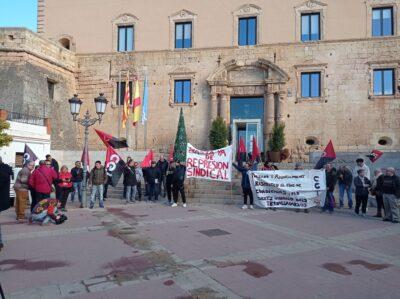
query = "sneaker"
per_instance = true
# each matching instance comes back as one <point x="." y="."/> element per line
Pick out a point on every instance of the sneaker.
<point x="363" y="215"/>
<point x="395" y="221"/>
<point x="174" y="205"/>
<point x="244" y="207"/>
<point x="251" y="207"/>
<point x="184" y="205"/>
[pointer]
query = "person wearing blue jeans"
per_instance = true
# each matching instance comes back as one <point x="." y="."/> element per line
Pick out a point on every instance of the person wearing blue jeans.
<point x="77" y="178"/>
<point x="345" y="181"/>
<point x="97" y="179"/>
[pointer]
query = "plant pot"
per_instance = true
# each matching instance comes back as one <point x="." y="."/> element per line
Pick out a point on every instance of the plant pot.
<point x="274" y="156"/>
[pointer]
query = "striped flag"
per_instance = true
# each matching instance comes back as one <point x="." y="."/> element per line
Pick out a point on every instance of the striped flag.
<point x="137" y="104"/>
<point x="145" y="101"/>
<point x="125" y="111"/>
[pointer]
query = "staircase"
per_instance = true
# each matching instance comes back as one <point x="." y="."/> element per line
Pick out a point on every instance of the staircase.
<point x="205" y="191"/>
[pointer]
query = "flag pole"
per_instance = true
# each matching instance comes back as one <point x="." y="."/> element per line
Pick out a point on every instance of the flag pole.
<point x="127" y="126"/>
<point x="119" y="104"/>
<point x="137" y="123"/>
<point x="147" y="113"/>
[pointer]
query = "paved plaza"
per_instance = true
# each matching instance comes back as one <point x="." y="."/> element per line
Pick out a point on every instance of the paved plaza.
<point x="148" y="250"/>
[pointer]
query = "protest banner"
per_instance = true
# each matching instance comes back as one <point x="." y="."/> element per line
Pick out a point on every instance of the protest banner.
<point x="213" y="165"/>
<point x="297" y="189"/>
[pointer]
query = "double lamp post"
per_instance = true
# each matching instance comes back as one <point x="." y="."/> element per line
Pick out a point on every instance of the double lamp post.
<point x="75" y="106"/>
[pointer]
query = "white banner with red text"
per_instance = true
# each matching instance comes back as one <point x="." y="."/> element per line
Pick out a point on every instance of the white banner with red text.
<point x="213" y="165"/>
<point x="296" y="189"/>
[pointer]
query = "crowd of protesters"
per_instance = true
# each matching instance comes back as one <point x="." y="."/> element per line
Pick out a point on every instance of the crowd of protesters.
<point x="384" y="187"/>
<point x="163" y="178"/>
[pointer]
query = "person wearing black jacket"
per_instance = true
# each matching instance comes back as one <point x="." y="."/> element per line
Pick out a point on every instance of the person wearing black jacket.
<point x="130" y="181"/>
<point x="6" y="173"/>
<point x="77" y="178"/>
<point x="331" y="178"/>
<point x="162" y="165"/>
<point x="362" y="184"/>
<point x="390" y="186"/>
<point x="377" y="192"/>
<point x="345" y="182"/>
<point x="245" y="183"/>
<point x="168" y="180"/>
<point x="178" y="180"/>
<point x="128" y="159"/>
<point x="153" y="177"/>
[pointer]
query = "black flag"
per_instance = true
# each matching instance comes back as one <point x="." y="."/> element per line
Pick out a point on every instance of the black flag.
<point x="29" y="155"/>
<point x="115" y="165"/>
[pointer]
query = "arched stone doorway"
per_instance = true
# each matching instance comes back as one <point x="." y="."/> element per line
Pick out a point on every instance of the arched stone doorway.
<point x="253" y="84"/>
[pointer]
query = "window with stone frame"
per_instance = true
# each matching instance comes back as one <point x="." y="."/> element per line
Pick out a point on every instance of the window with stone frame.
<point x="182" y="87"/>
<point x="311" y="83"/>
<point x="246" y="25"/>
<point x="383" y="79"/>
<point x="181" y="30"/>
<point x="382" y="18"/>
<point x="310" y="20"/>
<point x="124" y="28"/>
<point x="382" y="21"/>
<point x="121" y="92"/>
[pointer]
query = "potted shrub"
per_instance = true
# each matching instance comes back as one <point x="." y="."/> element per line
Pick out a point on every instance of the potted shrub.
<point x="218" y="133"/>
<point x="276" y="142"/>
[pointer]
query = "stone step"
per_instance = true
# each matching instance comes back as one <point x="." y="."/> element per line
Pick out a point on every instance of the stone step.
<point x="215" y="201"/>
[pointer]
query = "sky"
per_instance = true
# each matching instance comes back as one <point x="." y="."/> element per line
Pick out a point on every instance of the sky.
<point x="18" y="13"/>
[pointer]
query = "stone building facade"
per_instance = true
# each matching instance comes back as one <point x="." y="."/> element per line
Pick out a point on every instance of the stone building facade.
<point x="225" y="78"/>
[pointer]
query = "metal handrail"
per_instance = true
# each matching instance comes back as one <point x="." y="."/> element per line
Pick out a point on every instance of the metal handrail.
<point x="24" y="118"/>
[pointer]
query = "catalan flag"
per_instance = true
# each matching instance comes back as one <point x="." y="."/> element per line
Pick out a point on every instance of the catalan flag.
<point x="125" y="111"/>
<point x="137" y="104"/>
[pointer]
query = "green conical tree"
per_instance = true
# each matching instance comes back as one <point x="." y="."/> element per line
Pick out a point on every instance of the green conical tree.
<point x="180" y="140"/>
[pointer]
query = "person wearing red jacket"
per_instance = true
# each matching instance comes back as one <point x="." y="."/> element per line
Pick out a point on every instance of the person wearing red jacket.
<point x="41" y="181"/>
<point x="64" y="185"/>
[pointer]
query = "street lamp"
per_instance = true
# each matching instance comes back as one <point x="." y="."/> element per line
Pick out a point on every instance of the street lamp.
<point x="75" y="106"/>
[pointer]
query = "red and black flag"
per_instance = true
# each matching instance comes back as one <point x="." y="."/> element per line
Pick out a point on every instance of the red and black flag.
<point x="147" y="160"/>
<point x="241" y="153"/>
<point x="255" y="153"/>
<point x="374" y="155"/>
<point x="29" y="155"/>
<point x="112" y="141"/>
<point x="114" y="165"/>
<point x="327" y="156"/>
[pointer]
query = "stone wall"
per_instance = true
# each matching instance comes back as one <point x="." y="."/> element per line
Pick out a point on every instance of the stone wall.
<point x="346" y="113"/>
<point x="27" y="63"/>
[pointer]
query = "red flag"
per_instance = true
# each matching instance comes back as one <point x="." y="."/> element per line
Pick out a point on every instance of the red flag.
<point x="171" y="153"/>
<point x="256" y="152"/>
<point x="242" y="152"/>
<point x="112" y="141"/>
<point x="147" y="159"/>
<point x="85" y="158"/>
<point x="327" y="156"/>
<point x="374" y="155"/>
<point x="114" y="165"/>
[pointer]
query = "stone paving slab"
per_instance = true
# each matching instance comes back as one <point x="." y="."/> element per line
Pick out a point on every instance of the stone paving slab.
<point x="187" y="241"/>
<point x="306" y="275"/>
<point x="153" y="251"/>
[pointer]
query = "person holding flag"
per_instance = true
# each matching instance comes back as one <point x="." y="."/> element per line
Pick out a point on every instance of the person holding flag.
<point x="21" y="188"/>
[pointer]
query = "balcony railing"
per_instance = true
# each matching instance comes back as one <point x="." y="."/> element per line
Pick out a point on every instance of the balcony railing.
<point x="24" y="118"/>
